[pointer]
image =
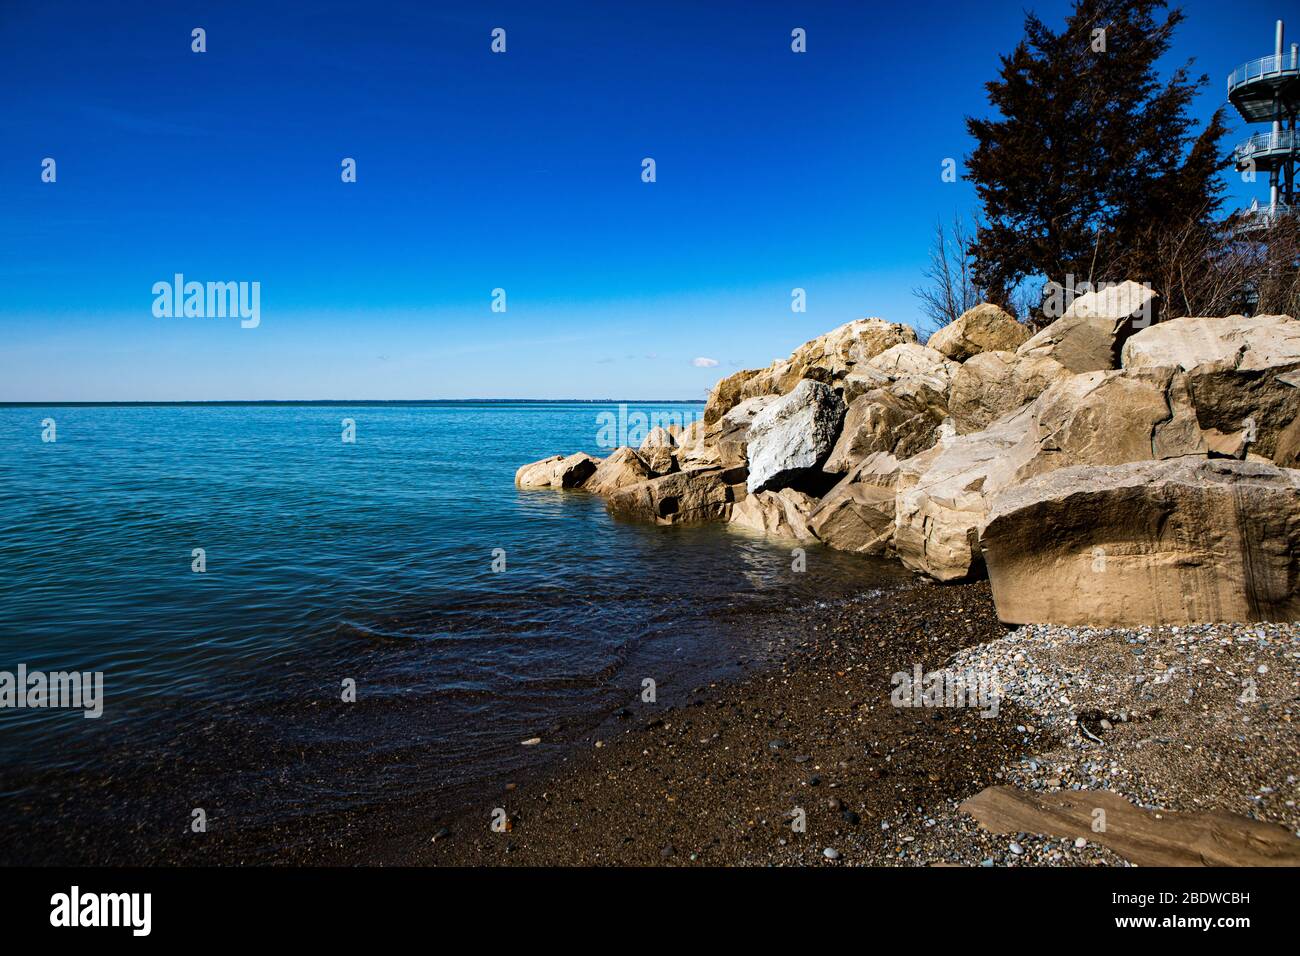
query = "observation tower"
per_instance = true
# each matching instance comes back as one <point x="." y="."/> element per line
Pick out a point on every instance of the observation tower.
<point x="1267" y="90"/>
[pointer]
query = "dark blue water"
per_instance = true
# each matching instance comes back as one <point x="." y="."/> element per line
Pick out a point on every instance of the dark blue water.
<point x="328" y="561"/>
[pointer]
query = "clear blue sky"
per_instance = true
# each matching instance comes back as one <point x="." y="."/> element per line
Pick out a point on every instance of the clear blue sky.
<point x="477" y="171"/>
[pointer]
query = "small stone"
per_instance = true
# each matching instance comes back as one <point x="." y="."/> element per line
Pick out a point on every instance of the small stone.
<point x="667" y="851"/>
<point x="1080" y="843"/>
<point x="776" y="744"/>
<point x="531" y="741"/>
<point x="1016" y="848"/>
<point x="831" y="853"/>
<point x="442" y="834"/>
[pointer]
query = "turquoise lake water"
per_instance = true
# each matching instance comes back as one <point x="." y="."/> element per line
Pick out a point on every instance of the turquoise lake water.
<point x="330" y="562"/>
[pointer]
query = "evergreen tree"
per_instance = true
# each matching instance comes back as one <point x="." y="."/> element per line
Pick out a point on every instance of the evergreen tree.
<point x="1091" y="151"/>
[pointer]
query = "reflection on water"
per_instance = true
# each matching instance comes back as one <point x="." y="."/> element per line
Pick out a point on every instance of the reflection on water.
<point x="328" y="563"/>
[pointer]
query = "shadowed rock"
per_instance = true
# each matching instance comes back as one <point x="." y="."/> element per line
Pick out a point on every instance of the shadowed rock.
<point x="558" y="471"/>
<point x="1089" y="335"/>
<point x="692" y="496"/>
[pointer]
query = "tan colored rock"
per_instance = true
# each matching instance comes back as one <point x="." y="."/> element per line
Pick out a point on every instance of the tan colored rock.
<point x="941" y="500"/>
<point x="858" y="513"/>
<point x="1094" y="418"/>
<point x="558" y="471"/>
<point x="902" y="418"/>
<point x="776" y="514"/>
<point x="1089" y="335"/>
<point x="657" y="450"/>
<point x="1182" y="541"/>
<point x="622" y="468"/>
<point x="694" y="450"/>
<point x="1143" y="837"/>
<point x="827" y="359"/>
<point x="992" y="384"/>
<point x="692" y="496"/>
<point x="911" y="360"/>
<point x="727" y="394"/>
<point x="984" y="328"/>
<point x="732" y="430"/>
<point x="1234" y="382"/>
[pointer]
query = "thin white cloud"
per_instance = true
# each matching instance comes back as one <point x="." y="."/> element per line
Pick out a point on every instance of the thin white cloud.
<point x="704" y="363"/>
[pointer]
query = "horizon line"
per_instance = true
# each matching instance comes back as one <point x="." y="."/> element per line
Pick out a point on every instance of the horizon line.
<point x="358" y="401"/>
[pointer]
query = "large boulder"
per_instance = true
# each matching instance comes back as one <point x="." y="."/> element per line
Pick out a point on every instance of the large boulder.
<point x="902" y="418"/>
<point x="792" y="437"/>
<point x="984" y="328"/>
<point x="557" y="471"/>
<point x="728" y="393"/>
<point x="1180" y="541"/>
<point x="1089" y="335"/>
<point x="910" y="359"/>
<point x="1234" y="382"/>
<point x="777" y="514"/>
<point x="1095" y="418"/>
<point x="692" y="496"/>
<point x="858" y="513"/>
<point x="992" y="384"/>
<point x="622" y="468"/>
<point x="941" y="500"/>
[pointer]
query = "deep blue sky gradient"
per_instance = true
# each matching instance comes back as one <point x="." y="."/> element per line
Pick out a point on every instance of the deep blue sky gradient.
<point x="477" y="171"/>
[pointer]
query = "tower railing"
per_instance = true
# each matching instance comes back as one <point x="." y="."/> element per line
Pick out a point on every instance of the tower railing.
<point x="1267" y="142"/>
<point x="1263" y="66"/>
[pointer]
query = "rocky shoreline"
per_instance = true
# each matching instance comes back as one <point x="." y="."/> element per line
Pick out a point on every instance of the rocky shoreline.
<point x="1129" y="490"/>
<point x="1101" y="471"/>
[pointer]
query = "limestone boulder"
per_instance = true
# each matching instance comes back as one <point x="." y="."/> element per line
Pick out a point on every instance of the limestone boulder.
<point x="727" y="394"/>
<point x="793" y="436"/>
<point x="942" y="497"/>
<point x="694" y="449"/>
<point x="658" y="450"/>
<point x="984" y="328"/>
<point x="557" y="471"/>
<point x="902" y="418"/>
<point x="1234" y="382"/>
<point x="690" y="496"/>
<point x="622" y="468"/>
<point x="732" y="430"/>
<point x="858" y="513"/>
<point x="776" y="514"/>
<point x="1090" y="334"/>
<point x="912" y="360"/>
<point x="1180" y="541"/>
<point x="1094" y="418"/>
<point x="993" y="384"/>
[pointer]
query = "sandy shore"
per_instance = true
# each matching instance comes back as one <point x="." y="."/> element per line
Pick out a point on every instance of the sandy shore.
<point x="814" y="740"/>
